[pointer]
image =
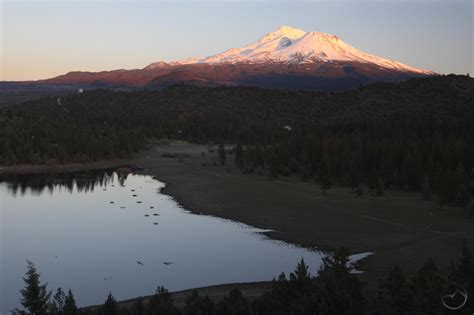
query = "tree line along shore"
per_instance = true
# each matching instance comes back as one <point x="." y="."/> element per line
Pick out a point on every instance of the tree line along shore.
<point x="412" y="135"/>
<point x="334" y="290"/>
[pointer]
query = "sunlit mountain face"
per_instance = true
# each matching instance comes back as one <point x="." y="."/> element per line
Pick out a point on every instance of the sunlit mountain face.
<point x="287" y="58"/>
<point x="295" y="46"/>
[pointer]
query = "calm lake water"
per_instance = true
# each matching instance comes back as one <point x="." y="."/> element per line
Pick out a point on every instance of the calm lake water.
<point x="88" y="232"/>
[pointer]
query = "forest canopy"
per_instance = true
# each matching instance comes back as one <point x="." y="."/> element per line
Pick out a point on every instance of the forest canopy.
<point x="414" y="134"/>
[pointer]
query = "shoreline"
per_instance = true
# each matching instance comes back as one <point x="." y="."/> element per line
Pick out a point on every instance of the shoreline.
<point x="24" y="169"/>
<point x="399" y="227"/>
<point x="394" y="226"/>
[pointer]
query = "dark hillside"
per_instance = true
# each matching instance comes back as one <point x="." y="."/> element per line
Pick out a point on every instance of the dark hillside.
<point x="403" y="134"/>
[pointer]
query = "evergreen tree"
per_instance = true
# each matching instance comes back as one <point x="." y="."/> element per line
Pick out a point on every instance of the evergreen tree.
<point x="428" y="286"/>
<point x="197" y="305"/>
<point x="221" y="154"/>
<point x="462" y="273"/>
<point x="359" y="190"/>
<point x="462" y="186"/>
<point x="337" y="290"/>
<point x="397" y="293"/>
<point x="161" y="303"/>
<point x="352" y="134"/>
<point x="137" y="307"/>
<point x="70" y="307"/>
<point x="239" y="156"/>
<point x="234" y="304"/>
<point x="274" y="166"/>
<point x="35" y="296"/>
<point x="301" y="272"/>
<point x="379" y="187"/>
<point x="58" y="303"/>
<point x="373" y="179"/>
<point x="442" y="186"/>
<point x="110" y="306"/>
<point x="354" y="177"/>
<point x="301" y="276"/>
<point x="426" y="188"/>
<point x="324" y="174"/>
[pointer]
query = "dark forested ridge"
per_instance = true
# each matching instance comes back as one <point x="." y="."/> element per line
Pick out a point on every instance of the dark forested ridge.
<point x="417" y="134"/>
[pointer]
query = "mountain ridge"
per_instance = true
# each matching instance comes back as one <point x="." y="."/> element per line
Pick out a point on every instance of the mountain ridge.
<point x="287" y="58"/>
<point x="292" y="45"/>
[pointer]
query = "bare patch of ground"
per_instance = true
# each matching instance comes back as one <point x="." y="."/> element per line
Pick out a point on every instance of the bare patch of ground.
<point x="400" y="227"/>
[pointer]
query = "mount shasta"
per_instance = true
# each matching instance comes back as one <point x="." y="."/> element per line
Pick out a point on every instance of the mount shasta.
<point x="286" y="58"/>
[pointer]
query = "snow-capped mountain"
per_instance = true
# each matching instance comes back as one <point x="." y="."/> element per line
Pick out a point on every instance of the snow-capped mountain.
<point x="292" y="45"/>
<point x="287" y="58"/>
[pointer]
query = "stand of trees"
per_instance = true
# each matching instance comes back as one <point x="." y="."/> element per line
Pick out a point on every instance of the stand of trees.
<point x="335" y="290"/>
<point x="414" y="135"/>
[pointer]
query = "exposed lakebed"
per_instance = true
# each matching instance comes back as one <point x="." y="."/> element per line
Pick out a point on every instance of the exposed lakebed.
<point x="97" y="232"/>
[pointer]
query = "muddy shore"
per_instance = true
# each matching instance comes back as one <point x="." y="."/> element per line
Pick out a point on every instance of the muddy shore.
<point x="399" y="227"/>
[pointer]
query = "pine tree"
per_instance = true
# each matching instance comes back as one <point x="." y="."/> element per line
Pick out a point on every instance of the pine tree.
<point x="324" y="174"/>
<point x="337" y="289"/>
<point x="274" y="166"/>
<point x="463" y="272"/>
<point x="58" y="303"/>
<point x="70" y="307"/>
<point x="35" y="296"/>
<point x="301" y="273"/>
<point x="137" y="307"/>
<point x="373" y="179"/>
<point x="110" y="306"/>
<point x="428" y="286"/>
<point x="398" y="295"/>
<point x="233" y="303"/>
<point x="239" y="156"/>
<point x="197" y="305"/>
<point x="162" y="303"/>
<point x="354" y="176"/>
<point x="462" y="186"/>
<point x="221" y="154"/>
<point x="426" y="188"/>
<point x="379" y="187"/>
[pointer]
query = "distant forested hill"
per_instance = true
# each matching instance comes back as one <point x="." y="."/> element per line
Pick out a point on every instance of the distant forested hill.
<point x="409" y="134"/>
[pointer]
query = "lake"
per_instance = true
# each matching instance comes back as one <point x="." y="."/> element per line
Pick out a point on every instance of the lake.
<point x="97" y="232"/>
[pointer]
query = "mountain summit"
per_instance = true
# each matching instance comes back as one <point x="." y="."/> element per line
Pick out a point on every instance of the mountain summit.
<point x="287" y="58"/>
<point x="295" y="46"/>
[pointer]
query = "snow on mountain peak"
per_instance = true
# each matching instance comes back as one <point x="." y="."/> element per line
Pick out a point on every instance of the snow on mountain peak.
<point x="292" y="45"/>
<point x="283" y="31"/>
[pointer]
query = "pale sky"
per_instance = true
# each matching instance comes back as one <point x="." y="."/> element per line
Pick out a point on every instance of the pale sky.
<point x="43" y="39"/>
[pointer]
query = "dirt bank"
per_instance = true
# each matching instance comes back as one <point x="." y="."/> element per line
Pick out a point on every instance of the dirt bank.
<point x="399" y="227"/>
<point x="63" y="168"/>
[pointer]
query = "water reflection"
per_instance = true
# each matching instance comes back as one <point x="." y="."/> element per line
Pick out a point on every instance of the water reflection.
<point x="96" y="232"/>
<point x="37" y="184"/>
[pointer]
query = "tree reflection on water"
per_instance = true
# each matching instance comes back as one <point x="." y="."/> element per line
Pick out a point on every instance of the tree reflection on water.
<point x="84" y="181"/>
